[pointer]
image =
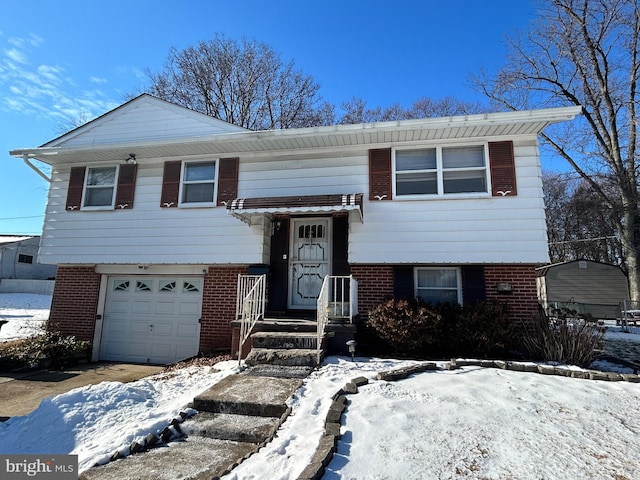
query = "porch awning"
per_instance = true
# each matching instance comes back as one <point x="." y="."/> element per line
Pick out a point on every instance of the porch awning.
<point x="243" y="208"/>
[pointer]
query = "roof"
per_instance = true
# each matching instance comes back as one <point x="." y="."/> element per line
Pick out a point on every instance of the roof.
<point x="380" y="134"/>
<point x="543" y="270"/>
<point x="6" y="240"/>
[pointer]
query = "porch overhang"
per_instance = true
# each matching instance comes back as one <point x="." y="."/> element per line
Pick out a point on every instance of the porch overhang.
<point x="244" y="208"/>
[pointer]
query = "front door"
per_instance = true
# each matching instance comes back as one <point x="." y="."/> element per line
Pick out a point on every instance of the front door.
<point x="309" y="260"/>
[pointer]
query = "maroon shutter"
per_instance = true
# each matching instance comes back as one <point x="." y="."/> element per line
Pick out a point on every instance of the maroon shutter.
<point x="170" y="184"/>
<point x="74" y="192"/>
<point x="126" y="186"/>
<point x="380" y="174"/>
<point x="227" y="180"/>
<point x="503" y="169"/>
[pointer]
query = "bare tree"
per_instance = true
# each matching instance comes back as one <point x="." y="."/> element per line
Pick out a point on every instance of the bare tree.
<point x="356" y="111"/>
<point x="585" y="52"/>
<point x="579" y="225"/>
<point x="245" y="83"/>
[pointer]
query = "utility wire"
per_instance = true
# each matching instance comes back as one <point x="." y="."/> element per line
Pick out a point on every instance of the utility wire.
<point x="582" y="240"/>
<point x="20" y="218"/>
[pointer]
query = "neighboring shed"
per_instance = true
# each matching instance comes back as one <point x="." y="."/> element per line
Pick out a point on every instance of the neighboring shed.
<point x="18" y="259"/>
<point x="583" y="285"/>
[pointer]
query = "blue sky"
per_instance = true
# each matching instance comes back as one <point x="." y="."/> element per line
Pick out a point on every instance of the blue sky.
<point x="60" y="60"/>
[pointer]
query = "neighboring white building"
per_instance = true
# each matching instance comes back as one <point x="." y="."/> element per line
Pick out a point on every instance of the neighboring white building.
<point x="154" y="210"/>
<point x="18" y="259"/>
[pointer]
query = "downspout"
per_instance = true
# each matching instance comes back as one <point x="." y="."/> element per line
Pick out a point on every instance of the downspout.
<point x="25" y="159"/>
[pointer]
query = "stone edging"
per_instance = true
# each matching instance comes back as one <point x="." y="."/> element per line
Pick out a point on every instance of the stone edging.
<point x="328" y="444"/>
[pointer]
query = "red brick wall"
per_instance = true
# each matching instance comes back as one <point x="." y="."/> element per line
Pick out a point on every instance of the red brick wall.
<point x="219" y="307"/>
<point x="523" y="299"/>
<point x="375" y="282"/>
<point x="75" y="301"/>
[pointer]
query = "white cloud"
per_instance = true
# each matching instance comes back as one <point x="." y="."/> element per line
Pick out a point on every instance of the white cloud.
<point x="45" y="90"/>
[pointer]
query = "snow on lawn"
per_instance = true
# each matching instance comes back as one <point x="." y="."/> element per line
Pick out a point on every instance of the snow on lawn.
<point x="96" y="420"/>
<point x="25" y="313"/>
<point x="471" y="423"/>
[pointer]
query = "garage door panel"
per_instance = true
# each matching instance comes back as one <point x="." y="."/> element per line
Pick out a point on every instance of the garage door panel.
<point x="187" y="330"/>
<point x="151" y="319"/>
<point x="141" y="307"/>
<point x="166" y="307"/>
<point x="189" y="308"/>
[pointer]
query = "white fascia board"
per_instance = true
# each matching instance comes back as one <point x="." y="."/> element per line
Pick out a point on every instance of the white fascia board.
<point x="545" y="116"/>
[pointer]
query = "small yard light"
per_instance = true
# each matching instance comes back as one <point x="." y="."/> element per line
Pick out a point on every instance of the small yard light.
<point x="352" y="349"/>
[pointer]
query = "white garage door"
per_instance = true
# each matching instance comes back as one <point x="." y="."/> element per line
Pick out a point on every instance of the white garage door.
<point x="151" y="319"/>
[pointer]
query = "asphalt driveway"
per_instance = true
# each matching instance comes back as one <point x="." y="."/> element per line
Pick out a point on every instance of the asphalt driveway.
<point x="20" y="394"/>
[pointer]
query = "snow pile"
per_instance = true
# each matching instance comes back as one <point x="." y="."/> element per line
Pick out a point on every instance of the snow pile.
<point x="96" y="420"/>
<point x="25" y="314"/>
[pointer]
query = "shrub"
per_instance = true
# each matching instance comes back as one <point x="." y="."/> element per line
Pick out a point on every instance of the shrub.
<point x="567" y="339"/>
<point x="407" y="326"/>
<point x="50" y="346"/>
<point x="443" y="330"/>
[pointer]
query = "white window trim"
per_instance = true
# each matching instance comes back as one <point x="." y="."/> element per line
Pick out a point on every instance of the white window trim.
<point x="458" y="271"/>
<point x="440" y="175"/>
<point x="111" y="206"/>
<point x="181" y="204"/>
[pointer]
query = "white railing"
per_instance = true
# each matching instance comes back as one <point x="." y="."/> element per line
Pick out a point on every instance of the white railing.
<point x="338" y="300"/>
<point x="250" y="304"/>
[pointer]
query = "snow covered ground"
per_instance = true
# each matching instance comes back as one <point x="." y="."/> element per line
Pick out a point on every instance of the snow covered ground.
<point x="471" y="423"/>
<point x="25" y="314"/>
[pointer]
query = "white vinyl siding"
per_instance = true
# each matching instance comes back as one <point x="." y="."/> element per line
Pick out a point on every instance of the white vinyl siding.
<point x="451" y="230"/>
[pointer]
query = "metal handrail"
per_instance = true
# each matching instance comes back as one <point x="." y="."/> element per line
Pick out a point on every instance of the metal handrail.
<point x="250" y="305"/>
<point x="338" y="299"/>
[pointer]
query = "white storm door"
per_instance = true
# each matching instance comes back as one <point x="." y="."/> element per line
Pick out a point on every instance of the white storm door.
<point x="309" y="260"/>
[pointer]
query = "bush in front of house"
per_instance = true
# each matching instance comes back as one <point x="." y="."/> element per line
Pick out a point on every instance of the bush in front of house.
<point x="47" y="349"/>
<point x="568" y="338"/>
<point x="421" y="330"/>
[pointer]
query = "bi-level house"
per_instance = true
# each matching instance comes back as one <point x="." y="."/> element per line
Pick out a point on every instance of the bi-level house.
<point x="168" y="225"/>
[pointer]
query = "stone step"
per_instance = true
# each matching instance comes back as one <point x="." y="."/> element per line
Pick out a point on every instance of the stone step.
<point x="194" y="457"/>
<point x="248" y="395"/>
<point x="284" y="340"/>
<point x="284" y="357"/>
<point x="225" y="426"/>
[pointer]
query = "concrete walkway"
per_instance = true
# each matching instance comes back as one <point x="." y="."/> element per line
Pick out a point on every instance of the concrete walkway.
<point x="20" y="394"/>
<point x="236" y="417"/>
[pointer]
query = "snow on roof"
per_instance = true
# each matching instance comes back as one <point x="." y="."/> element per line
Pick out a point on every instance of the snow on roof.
<point x="9" y="239"/>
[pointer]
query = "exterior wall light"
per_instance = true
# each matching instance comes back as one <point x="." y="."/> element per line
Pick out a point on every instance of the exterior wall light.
<point x="503" y="287"/>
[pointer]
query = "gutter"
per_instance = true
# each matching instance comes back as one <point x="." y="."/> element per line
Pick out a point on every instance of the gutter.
<point x="25" y="159"/>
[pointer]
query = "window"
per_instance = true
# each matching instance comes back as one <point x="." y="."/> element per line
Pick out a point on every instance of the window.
<point x="100" y="186"/>
<point x="441" y="171"/>
<point x="198" y="183"/>
<point x="25" y="258"/>
<point x="438" y="285"/>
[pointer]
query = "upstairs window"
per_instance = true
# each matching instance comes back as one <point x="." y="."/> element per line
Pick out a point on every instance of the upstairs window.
<point x="22" y="258"/>
<point x="198" y="183"/>
<point x="100" y="187"/>
<point x="441" y="171"/>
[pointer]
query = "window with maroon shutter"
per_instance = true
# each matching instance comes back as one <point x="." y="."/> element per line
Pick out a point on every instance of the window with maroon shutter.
<point x="227" y="180"/>
<point x="126" y="186"/>
<point x="74" y="192"/>
<point x="170" y="184"/>
<point x="380" y="174"/>
<point x="503" y="170"/>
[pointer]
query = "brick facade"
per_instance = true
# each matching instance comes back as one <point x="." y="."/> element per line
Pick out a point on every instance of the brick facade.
<point x="75" y="301"/>
<point x="219" y="307"/>
<point x="375" y="283"/>
<point x="523" y="299"/>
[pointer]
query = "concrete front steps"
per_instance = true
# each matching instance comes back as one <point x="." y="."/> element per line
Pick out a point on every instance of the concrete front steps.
<point x="236" y="417"/>
<point x="292" y="349"/>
